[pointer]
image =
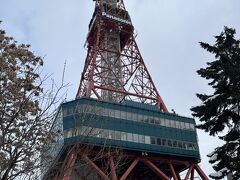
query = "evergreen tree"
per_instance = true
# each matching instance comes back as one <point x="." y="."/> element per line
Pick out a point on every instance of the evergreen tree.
<point x="219" y="113"/>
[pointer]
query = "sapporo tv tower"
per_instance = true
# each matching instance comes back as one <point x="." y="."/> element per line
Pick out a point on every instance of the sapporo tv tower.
<point x="118" y="127"/>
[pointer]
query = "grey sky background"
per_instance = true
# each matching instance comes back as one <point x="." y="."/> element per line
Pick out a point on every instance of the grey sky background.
<point x="168" y="35"/>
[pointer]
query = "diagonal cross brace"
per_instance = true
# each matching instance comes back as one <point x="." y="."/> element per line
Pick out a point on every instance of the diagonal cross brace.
<point x="129" y="170"/>
<point x="94" y="166"/>
<point x="156" y="170"/>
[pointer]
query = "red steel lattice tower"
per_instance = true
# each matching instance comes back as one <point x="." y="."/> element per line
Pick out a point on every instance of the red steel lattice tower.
<point x="114" y="71"/>
<point x="114" y="68"/>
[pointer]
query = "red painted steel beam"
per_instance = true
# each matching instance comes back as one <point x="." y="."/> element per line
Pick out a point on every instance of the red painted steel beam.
<point x="163" y="106"/>
<point x="113" y="170"/>
<point x="156" y="170"/>
<point x="68" y="164"/>
<point x="192" y="174"/>
<point x="173" y="171"/>
<point x="94" y="166"/>
<point x="120" y="54"/>
<point x="69" y="167"/>
<point x="178" y="175"/>
<point x="125" y="93"/>
<point x="200" y="172"/>
<point x="129" y="170"/>
<point x="66" y="178"/>
<point x="164" y="158"/>
<point x="189" y="172"/>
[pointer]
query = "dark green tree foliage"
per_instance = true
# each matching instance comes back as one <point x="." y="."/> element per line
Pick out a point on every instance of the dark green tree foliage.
<point x="219" y="112"/>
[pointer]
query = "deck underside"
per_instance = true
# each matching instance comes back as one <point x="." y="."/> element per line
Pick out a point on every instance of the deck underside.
<point x="91" y="162"/>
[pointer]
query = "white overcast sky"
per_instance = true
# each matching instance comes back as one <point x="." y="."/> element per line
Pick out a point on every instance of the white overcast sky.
<point x="168" y="35"/>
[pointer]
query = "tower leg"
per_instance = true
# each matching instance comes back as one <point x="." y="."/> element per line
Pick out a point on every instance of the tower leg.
<point x="178" y="175"/>
<point x="113" y="170"/>
<point x="173" y="171"/>
<point x="94" y="166"/>
<point x="129" y="170"/>
<point x="172" y="166"/>
<point x="189" y="172"/>
<point x="200" y="172"/>
<point x="67" y="166"/>
<point x="156" y="170"/>
<point x="192" y="174"/>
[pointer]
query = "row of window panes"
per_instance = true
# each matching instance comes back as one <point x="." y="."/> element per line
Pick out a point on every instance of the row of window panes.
<point x="131" y="116"/>
<point x="130" y="137"/>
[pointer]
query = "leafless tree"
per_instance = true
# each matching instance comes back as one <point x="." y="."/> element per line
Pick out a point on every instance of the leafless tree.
<point x="84" y="119"/>
<point x="26" y="109"/>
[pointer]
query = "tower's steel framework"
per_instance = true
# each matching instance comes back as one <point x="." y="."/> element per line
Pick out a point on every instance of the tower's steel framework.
<point x="114" y="68"/>
<point x="114" y="71"/>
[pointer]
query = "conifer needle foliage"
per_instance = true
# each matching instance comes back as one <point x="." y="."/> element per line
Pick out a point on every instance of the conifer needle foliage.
<point x="219" y="112"/>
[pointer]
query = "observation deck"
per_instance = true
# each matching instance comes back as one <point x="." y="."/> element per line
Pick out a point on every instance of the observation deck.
<point x="114" y="18"/>
<point x="130" y="126"/>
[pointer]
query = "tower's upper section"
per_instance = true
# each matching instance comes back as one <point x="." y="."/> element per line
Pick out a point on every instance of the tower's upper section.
<point x="113" y="16"/>
<point x="114" y="69"/>
<point x="112" y="10"/>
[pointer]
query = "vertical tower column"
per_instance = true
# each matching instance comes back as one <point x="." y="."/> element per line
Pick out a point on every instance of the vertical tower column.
<point x="111" y="62"/>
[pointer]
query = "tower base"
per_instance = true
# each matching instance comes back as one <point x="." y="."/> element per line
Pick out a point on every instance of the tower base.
<point x="88" y="162"/>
